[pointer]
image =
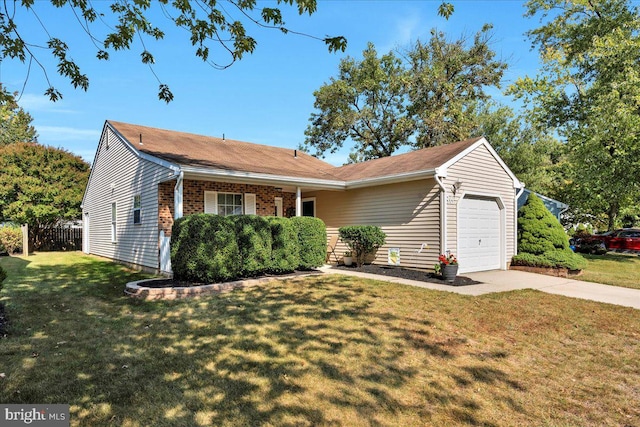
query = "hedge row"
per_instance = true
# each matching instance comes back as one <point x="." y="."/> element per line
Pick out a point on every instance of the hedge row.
<point x="208" y="248"/>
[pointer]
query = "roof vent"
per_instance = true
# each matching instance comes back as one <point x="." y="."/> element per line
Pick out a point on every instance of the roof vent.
<point x="295" y="153"/>
<point x="223" y="137"/>
<point x="141" y="139"/>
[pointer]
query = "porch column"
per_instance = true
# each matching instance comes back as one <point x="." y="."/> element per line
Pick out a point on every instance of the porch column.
<point x="298" y="202"/>
<point x="177" y="197"/>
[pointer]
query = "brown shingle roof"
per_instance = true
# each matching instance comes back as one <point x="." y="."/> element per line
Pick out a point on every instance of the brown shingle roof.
<point x="192" y="150"/>
<point x="414" y="161"/>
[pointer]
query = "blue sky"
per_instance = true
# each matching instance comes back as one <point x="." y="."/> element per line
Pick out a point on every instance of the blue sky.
<point x="265" y="98"/>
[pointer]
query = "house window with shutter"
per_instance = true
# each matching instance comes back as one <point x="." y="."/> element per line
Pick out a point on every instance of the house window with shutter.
<point x="229" y="203"/>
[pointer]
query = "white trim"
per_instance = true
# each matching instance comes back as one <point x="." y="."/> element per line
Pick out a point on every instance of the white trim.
<point x="113" y="221"/>
<point x="178" y="197"/>
<point x="213" y="199"/>
<point x="515" y="219"/>
<point x="249" y="204"/>
<point x="443" y="215"/>
<point x="309" y="199"/>
<point x="503" y="224"/>
<point x="298" y="201"/>
<point x="86" y="248"/>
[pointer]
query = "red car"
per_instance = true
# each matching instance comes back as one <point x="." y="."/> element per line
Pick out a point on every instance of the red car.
<point x="626" y="239"/>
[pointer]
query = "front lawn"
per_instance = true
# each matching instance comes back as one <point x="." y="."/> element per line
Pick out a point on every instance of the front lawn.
<point x="613" y="269"/>
<point x="326" y="350"/>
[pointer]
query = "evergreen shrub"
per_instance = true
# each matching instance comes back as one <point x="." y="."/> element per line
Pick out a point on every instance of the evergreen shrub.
<point x="312" y="241"/>
<point x="285" y="251"/>
<point x="204" y="249"/>
<point x="253" y="233"/>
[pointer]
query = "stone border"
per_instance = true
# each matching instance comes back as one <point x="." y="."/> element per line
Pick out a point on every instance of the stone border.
<point x="136" y="290"/>
<point x="548" y="271"/>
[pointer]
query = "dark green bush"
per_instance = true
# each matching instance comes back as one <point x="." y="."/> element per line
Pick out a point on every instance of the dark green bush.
<point x="254" y="243"/>
<point x="285" y="250"/>
<point x="204" y="249"/>
<point x="551" y="259"/>
<point x="10" y="239"/>
<point x="362" y="240"/>
<point x="538" y="230"/>
<point x="312" y="241"/>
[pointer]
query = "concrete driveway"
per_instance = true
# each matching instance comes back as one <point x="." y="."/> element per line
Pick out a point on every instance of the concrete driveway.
<point x="509" y="280"/>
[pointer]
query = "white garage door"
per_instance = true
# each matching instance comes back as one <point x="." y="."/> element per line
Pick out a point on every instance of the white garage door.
<point x="479" y="235"/>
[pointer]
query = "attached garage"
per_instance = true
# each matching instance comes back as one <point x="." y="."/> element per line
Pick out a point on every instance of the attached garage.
<point x="480" y="234"/>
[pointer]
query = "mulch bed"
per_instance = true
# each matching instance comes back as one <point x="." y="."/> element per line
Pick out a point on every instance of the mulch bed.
<point x="4" y="322"/>
<point x="171" y="283"/>
<point x="410" y="274"/>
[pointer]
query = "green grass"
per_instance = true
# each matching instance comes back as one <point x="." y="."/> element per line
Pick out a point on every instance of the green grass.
<point x="613" y="269"/>
<point x="326" y="350"/>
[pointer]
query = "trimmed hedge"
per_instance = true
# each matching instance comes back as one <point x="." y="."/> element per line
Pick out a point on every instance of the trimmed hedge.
<point x="312" y="241"/>
<point x="362" y="240"/>
<point x="285" y="250"/>
<point x="204" y="249"/>
<point x="542" y="241"/>
<point x="207" y="248"/>
<point x="254" y="243"/>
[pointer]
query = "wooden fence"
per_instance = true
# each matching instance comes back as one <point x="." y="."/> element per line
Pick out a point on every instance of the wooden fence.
<point x="60" y="239"/>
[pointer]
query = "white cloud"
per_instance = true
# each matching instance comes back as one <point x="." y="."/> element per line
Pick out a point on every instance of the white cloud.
<point x="33" y="102"/>
<point x="62" y="133"/>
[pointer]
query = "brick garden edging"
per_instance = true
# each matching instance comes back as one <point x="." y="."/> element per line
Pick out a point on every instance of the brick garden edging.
<point x="556" y="272"/>
<point x="136" y="290"/>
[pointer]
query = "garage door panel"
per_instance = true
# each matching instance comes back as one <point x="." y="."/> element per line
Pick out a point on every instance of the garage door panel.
<point x="479" y="245"/>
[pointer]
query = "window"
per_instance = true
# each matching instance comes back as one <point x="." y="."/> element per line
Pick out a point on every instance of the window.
<point x="229" y="204"/>
<point x="137" y="206"/>
<point x="113" y="222"/>
<point x="309" y="207"/>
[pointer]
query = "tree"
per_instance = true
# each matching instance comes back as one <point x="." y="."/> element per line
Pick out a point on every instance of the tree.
<point x="589" y="89"/>
<point x="217" y="30"/>
<point x="532" y="153"/>
<point x="366" y="103"/>
<point x="40" y="186"/>
<point x="15" y="123"/>
<point x="426" y="97"/>
<point x="448" y="80"/>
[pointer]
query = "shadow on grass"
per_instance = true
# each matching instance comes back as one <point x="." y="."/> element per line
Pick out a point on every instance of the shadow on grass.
<point x="310" y="352"/>
<point x="612" y="256"/>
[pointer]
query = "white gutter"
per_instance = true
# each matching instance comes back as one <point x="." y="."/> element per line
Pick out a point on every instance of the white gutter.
<point x="443" y="215"/>
<point x="515" y="226"/>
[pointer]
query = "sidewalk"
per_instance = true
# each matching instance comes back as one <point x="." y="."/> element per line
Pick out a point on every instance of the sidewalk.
<point x="509" y="280"/>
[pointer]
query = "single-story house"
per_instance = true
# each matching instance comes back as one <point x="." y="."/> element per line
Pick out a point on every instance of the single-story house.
<point x="556" y="207"/>
<point x="459" y="197"/>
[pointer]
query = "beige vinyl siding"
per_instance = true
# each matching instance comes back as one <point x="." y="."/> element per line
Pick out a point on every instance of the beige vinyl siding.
<point x="482" y="175"/>
<point x="118" y="174"/>
<point x="407" y="212"/>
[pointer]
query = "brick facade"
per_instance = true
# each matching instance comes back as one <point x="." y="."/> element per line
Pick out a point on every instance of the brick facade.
<point x="193" y="199"/>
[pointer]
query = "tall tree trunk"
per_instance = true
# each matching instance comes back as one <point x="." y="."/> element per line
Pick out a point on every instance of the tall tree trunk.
<point x="613" y="214"/>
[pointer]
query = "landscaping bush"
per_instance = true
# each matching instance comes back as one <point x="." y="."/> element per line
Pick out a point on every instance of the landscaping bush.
<point x="285" y="249"/>
<point x="538" y="230"/>
<point x="312" y="241"/>
<point x="10" y="239"/>
<point x="204" y="249"/>
<point x="253" y="233"/>
<point x="542" y="241"/>
<point x="362" y="240"/>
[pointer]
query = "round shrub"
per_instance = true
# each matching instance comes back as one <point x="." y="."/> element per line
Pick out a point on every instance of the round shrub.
<point x="204" y="249"/>
<point x="538" y="230"/>
<point x="312" y="241"/>
<point x="362" y="240"/>
<point x="285" y="250"/>
<point x="10" y="239"/>
<point x="254" y="243"/>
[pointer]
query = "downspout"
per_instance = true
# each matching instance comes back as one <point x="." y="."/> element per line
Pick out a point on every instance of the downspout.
<point x="515" y="226"/>
<point x="177" y="197"/>
<point x="443" y="215"/>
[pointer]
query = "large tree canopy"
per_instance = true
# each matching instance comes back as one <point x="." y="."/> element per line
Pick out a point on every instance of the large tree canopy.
<point x="40" y="185"/>
<point x="426" y="96"/>
<point x="218" y="31"/>
<point x="15" y="123"/>
<point x="589" y="90"/>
